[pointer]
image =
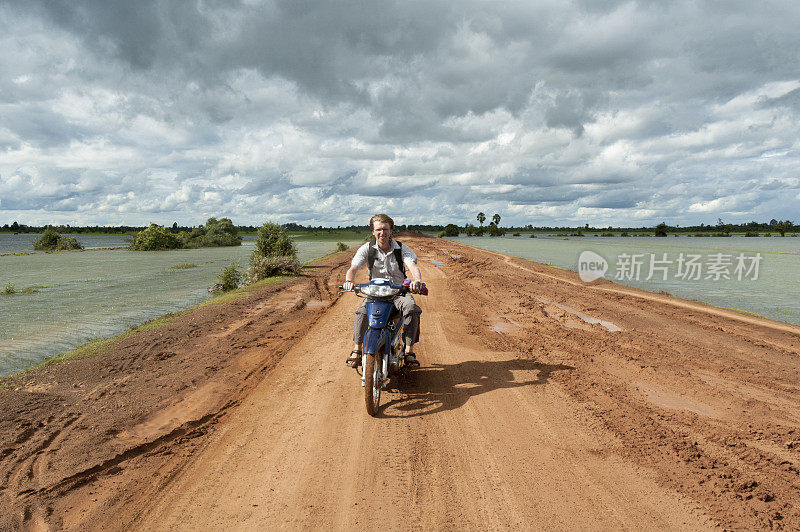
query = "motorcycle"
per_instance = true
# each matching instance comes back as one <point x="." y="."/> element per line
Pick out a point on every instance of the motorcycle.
<point x="383" y="349"/>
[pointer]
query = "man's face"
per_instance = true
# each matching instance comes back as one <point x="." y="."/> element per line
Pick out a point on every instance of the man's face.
<point x="382" y="232"/>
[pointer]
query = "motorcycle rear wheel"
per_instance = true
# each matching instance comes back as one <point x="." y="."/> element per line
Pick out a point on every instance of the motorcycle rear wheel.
<point x="372" y="385"/>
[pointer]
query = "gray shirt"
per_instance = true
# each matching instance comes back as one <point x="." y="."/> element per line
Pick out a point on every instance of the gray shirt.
<point x="385" y="266"/>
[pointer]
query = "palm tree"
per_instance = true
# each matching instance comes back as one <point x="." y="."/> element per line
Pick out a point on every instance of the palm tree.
<point x="496" y="219"/>
<point x="481" y="218"/>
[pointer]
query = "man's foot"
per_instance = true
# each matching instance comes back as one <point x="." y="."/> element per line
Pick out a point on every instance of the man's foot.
<point x="355" y="359"/>
<point x="411" y="360"/>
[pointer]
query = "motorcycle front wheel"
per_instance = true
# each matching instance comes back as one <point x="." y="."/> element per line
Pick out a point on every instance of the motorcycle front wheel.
<point x="372" y="385"/>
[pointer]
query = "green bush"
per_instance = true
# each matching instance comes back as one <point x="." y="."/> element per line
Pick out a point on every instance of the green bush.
<point x="751" y="233"/>
<point x="272" y="241"/>
<point x="341" y="246"/>
<point x="9" y="289"/>
<point x="661" y="229"/>
<point x="533" y="235"/>
<point x="216" y="233"/>
<point x="496" y="231"/>
<point x="449" y="230"/>
<point x="230" y="277"/>
<point x="263" y="267"/>
<point x="275" y="254"/>
<point x="154" y="238"/>
<point x="51" y="240"/>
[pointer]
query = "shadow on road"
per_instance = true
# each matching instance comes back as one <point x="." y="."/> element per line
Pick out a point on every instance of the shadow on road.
<point x="441" y="387"/>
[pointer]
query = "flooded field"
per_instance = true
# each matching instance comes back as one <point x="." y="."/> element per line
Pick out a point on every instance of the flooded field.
<point x="769" y="285"/>
<point x="81" y="296"/>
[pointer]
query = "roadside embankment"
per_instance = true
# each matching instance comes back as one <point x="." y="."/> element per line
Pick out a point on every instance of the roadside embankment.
<point x="542" y="402"/>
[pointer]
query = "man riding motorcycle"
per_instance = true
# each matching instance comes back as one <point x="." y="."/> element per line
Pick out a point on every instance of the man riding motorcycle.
<point x="386" y="258"/>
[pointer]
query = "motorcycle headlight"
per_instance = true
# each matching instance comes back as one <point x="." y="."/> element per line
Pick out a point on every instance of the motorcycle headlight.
<point x="379" y="290"/>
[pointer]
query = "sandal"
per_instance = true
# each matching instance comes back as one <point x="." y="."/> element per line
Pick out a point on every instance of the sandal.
<point x="410" y="360"/>
<point x="355" y="359"/>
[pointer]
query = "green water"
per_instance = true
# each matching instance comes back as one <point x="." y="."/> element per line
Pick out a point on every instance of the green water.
<point x="95" y="294"/>
<point x="775" y="293"/>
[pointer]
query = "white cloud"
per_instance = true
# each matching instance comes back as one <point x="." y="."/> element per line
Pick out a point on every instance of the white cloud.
<point x="546" y="113"/>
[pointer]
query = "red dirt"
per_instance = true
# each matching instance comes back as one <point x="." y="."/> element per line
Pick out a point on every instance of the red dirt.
<point x="524" y="414"/>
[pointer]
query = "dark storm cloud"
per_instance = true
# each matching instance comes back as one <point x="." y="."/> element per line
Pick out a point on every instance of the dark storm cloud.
<point x="552" y="111"/>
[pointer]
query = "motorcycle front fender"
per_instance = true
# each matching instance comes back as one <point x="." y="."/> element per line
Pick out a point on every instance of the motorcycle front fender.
<point x="374" y="340"/>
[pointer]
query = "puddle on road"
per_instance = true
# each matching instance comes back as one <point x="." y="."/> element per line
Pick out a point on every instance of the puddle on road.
<point x="591" y="320"/>
<point x="503" y="327"/>
<point x="672" y="401"/>
<point x="432" y="261"/>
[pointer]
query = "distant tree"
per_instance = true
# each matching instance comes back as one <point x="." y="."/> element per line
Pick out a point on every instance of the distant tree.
<point x="496" y="219"/>
<point x="661" y="229"/>
<point x="53" y="241"/>
<point x="215" y="233"/>
<point x="481" y="218"/>
<point x="155" y="238"/>
<point x="771" y="222"/>
<point x="450" y="230"/>
<point x="174" y="226"/>
<point x="494" y="230"/>
<point x="784" y="226"/>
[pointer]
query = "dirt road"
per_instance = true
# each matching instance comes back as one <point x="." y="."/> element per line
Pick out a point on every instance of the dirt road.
<point x="541" y="403"/>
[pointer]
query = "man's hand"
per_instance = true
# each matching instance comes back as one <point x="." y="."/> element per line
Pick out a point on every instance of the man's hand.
<point x="414" y="286"/>
<point x="348" y="285"/>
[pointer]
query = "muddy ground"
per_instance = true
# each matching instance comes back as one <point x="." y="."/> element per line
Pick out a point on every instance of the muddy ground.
<point x="541" y="403"/>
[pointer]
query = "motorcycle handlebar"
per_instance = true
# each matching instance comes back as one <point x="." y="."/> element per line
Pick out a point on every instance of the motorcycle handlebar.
<point x="423" y="290"/>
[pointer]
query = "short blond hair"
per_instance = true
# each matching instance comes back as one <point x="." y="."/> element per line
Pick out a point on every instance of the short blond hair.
<point x="383" y="218"/>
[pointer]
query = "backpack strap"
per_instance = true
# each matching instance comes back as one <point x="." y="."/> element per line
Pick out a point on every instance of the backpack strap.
<point x="398" y="256"/>
<point x="371" y="257"/>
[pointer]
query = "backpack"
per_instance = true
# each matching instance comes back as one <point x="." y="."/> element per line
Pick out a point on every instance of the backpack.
<point x="372" y="254"/>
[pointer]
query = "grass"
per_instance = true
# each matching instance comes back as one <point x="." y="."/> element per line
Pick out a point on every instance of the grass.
<point x="184" y="266"/>
<point x="244" y="291"/>
<point x="10" y="289"/>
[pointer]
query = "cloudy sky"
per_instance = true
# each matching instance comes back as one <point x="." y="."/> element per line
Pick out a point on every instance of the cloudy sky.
<point x="547" y="112"/>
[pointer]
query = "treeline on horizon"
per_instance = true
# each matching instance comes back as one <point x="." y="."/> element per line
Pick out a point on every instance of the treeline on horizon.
<point x="753" y="226"/>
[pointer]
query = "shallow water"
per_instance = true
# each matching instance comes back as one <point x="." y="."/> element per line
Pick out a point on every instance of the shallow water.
<point x="94" y="294"/>
<point x="775" y="292"/>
